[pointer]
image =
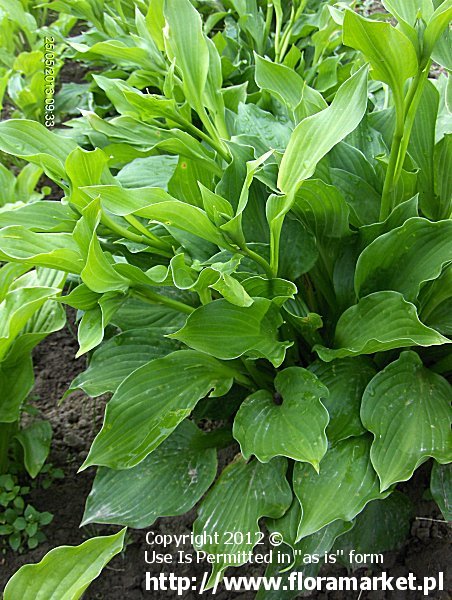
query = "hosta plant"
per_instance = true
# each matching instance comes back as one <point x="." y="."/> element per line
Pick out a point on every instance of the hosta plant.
<point x="278" y="262"/>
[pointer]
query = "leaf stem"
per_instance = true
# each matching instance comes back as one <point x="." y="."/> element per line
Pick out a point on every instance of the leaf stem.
<point x="153" y="298"/>
<point x="260" y="260"/>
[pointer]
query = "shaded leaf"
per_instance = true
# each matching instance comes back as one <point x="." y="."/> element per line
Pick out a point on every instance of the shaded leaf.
<point x="407" y="408"/>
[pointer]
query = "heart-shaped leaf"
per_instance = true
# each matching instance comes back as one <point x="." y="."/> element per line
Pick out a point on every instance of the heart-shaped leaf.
<point x="295" y="428"/>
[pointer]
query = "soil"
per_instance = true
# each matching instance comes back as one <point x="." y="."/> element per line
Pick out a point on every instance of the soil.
<point x="75" y="423"/>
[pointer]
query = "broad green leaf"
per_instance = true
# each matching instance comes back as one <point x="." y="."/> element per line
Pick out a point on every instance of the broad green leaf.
<point x="441" y="488"/>
<point x="152" y="171"/>
<point x="86" y="168"/>
<point x="316" y="135"/>
<point x="227" y="331"/>
<point x="289" y="88"/>
<point x="52" y="250"/>
<point x="65" y="572"/>
<point x="167" y="483"/>
<point x="407" y="408"/>
<point x="293" y="425"/>
<point x="185" y="41"/>
<point x="302" y="552"/>
<point x="40" y="216"/>
<point x="443" y="182"/>
<point x="135" y="314"/>
<point x="381" y="321"/>
<point x="284" y="83"/>
<point x="35" y="441"/>
<point x="356" y="180"/>
<point x="244" y="493"/>
<point x="34" y="142"/>
<point x="119" y="356"/>
<point x="404" y="258"/>
<point x="322" y="208"/>
<point x="390" y="52"/>
<point x="382" y="526"/>
<point x="401" y="213"/>
<point x="116" y="50"/>
<point x="277" y="290"/>
<point x="151" y="403"/>
<point x="345" y="484"/>
<point x="408" y="10"/>
<point x="421" y="149"/>
<point x="253" y="121"/>
<point x="346" y="380"/>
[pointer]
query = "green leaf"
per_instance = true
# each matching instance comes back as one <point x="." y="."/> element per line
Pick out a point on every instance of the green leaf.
<point x="65" y="572"/>
<point x="52" y="250"/>
<point x="34" y="142"/>
<point x="35" y="441"/>
<point x="407" y="408"/>
<point x="150" y="404"/>
<point x="227" y="331"/>
<point x="304" y="553"/>
<point x="443" y="183"/>
<point x="314" y="137"/>
<point x="186" y="42"/>
<point x="40" y="216"/>
<point x="346" y="380"/>
<point x="17" y="308"/>
<point x="405" y="258"/>
<point x="152" y="171"/>
<point x="167" y="483"/>
<point x="345" y="484"/>
<point x="439" y="21"/>
<point x="441" y="488"/>
<point x="16" y="383"/>
<point x="390" y="52"/>
<point x="244" y="493"/>
<point x="295" y="428"/>
<point x="381" y="321"/>
<point x="119" y="356"/>
<point x="382" y="526"/>
<point x="157" y="205"/>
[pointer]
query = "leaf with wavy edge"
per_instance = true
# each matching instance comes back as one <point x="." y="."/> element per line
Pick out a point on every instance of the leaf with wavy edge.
<point x="119" y="356"/>
<point x="167" y="483"/>
<point x="244" y="493"/>
<point x="346" y="483"/>
<point x="379" y="322"/>
<point x="151" y="403"/>
<point x="295" y="429"/>
<point x="65" y="572"/>
<point x="407" y="408"/>
<point x="404" y="258"/>
<point x="346" y="380"/>
<point x="227" y="331"/>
